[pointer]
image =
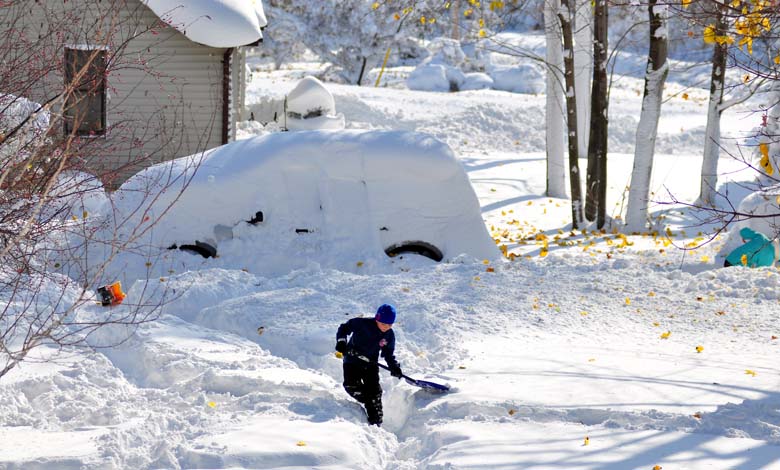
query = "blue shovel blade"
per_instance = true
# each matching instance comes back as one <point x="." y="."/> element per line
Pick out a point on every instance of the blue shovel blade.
<point x="429" y="386"/>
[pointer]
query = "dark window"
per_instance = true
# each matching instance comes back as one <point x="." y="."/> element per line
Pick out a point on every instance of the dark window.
<point x="85" y="83"/>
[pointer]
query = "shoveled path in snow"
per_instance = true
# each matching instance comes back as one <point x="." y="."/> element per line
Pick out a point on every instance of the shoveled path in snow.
<point x="534" y="352"/>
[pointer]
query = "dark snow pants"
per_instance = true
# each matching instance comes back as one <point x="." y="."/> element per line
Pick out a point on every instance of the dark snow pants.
<point x="361" y="381"/>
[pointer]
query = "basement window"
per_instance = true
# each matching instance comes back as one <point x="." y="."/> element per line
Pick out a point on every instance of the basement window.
<point x="85" y="92"/>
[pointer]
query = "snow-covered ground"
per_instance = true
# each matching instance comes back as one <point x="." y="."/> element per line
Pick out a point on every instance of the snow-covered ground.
<point x="610" y="352"/>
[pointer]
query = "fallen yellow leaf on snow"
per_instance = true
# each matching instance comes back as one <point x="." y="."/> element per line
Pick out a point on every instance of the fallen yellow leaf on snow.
<point x="699" y="348"/>
<point x="300" y="443"/>
<point x="212" y="404"/>
<point x="666" y="335"/>
<point x="750" y="372"/>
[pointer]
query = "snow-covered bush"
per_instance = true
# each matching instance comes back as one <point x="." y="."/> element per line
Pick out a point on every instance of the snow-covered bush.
<point x="23" y="125"/>
<point x="477" y="81"/>
<point x="441" y="70"/>
<point x="451" y="68"/>
<point x="446" y="51"/>
<point x="435" y="77"/>
<point x="282" y="37"/>
<point x="523" y="78"/>
<point x="349" y="34"/>
<point x="407" y="51"/>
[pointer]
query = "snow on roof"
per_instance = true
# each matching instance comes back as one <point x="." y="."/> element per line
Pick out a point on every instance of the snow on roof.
<point x="215" y="23"/>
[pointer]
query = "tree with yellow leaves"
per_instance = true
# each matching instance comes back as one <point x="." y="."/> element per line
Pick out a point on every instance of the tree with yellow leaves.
<point x="731" y="29"/>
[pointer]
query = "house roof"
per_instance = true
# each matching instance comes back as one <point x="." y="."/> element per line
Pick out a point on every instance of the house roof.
<point x="215" y="23"/>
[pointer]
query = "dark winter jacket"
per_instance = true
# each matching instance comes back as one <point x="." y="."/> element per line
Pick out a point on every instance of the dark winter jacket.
<point x="367" y="340"/>
<point x="758" y="249"/>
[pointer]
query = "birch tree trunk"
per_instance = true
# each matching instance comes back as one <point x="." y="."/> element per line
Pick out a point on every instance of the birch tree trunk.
<point x="709" y="164"/>
<point x="565" y="15"/>
<point x="554" y="111"/>
<point x="455" y="18"/>
<point x="657" y="70"/>
<point x="583" y="69"/>
<point x="596" y="184"/>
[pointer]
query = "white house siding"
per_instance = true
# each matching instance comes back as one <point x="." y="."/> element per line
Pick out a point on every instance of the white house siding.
<point x="175" y="114"/>
<point x="151" y="119"/>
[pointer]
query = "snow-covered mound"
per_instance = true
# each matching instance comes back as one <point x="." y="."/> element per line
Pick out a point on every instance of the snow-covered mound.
<point x="435" y="77"/>
<point x="15" y="109"/>
<point x="765" y="206"/>
<point x="449" y="69"/>
<point x="310" y="106"/>
<point x="477" y="81"/>
<point x="348" y="200"/>
<point x="523" y="78"/>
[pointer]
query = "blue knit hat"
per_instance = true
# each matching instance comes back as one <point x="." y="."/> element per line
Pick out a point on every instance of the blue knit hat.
<point x="385" y="314"/>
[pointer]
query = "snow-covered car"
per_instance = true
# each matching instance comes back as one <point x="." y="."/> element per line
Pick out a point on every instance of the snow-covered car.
<point x="349" y="200"/>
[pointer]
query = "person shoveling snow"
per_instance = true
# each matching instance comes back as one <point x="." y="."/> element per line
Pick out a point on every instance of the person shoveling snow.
<point x="368" y="337"/>
<point x="757" y="250"/>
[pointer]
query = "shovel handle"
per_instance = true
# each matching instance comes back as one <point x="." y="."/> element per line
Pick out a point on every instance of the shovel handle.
<point x="364" y="358"/>
<point x="419" y="383"/>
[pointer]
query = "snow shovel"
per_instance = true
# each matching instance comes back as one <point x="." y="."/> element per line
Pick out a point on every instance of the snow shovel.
<point x="423" y="384"/>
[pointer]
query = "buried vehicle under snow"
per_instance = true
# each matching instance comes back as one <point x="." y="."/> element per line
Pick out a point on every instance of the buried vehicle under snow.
<point x="270" y="204"/>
